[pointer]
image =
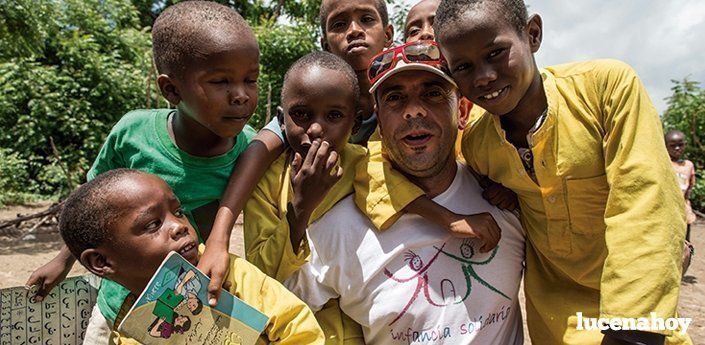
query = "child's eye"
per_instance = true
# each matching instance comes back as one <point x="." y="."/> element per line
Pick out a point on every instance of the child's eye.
<point x="412" y="32"/>
<point x="337" y="24"/>
<point x="251" y="81"/>
<point x="219" y="81"/>
<point x="335" y="115"/>
<point x="153" y="225"/>
<point x="368" y="19"/>
<point x="496" y="52"/>
<point x="298" y="114"/>
<point x="179" y="212"/>
<point x="461" y="67"/>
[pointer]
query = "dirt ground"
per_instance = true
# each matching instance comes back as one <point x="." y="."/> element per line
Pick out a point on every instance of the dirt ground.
<point x="19" y="256"/>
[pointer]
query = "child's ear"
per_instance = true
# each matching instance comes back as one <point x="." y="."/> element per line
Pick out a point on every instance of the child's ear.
<point x="534" y="28"/>
<point x="96" y="263"/>
<point x="464" y="107"/>
<point x="389" y="36"/>
<point x="168" y="89"/>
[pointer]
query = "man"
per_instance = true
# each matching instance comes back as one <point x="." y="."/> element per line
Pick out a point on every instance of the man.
<point x="414" y="282"/>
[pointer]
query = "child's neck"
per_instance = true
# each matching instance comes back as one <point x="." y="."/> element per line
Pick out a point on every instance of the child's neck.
<point x="518" y="122"/>
<point x="197" y="140"/>
<point x="367" y="102"/>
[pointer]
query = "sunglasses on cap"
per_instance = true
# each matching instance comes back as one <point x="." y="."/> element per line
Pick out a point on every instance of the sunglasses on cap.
<point x="425" y="52"/>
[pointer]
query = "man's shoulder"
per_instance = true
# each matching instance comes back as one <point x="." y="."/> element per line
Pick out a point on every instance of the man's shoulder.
<point x="343" y="219"/>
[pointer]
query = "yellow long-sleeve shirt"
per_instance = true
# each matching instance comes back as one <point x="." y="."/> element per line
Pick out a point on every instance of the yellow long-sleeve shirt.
<point x="291" y="322"/>
<point x="267" y="241"/>
<point x="604" y="220"/>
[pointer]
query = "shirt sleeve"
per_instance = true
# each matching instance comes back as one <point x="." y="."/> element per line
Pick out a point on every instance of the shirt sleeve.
<point x="290" y="320"/>
<point x="267" y="236"/>
<point x="275" y="127"/>
<point x="644" y="203"/>
<point x="109" y="157"/>
<point x="312" y="284"/>
<point x="380" y="191"/>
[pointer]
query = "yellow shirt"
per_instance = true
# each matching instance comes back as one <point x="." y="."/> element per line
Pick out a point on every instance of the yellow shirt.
<point x="605" y="221"/>
<point x="290" y="320"/>
<point x="267" y="242"/>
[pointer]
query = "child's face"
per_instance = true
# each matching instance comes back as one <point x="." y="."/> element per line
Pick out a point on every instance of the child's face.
<point x="492" y="63"/>
<point x="151" y="224"/>
<point x="218" y="89"/>
<point x="419" y="22"/>
<point x="675" y="145"/>
<point x="355" y="32"/>
<point x="319" y="104"/>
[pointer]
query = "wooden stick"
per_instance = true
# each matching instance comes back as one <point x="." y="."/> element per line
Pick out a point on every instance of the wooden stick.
<point x="54" y="209"/>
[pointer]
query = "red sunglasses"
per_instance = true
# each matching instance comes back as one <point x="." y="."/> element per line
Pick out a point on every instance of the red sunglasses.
<point x="426" y="52"/>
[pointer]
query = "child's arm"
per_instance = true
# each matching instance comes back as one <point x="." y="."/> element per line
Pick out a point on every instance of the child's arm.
<point x="311" y="179"/>
<point x="250" y="167"/>
<point x="691" y="184"/>
<point x="382" y="193"/>
<point x="644" y="203"/>
<point x="52" y="273"/>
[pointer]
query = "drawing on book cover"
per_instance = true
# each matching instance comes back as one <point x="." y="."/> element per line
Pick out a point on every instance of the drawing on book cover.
<point x="61" y="318"/>
<point x="173" y="309"/>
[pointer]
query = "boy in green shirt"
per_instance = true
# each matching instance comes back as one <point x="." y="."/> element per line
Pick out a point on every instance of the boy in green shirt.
<point x="208" y="63"/>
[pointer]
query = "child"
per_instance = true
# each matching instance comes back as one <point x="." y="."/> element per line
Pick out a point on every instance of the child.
<point x="121" y="226"/>
<point x="576" y="143"/>
<point x="208" y="63"/>
<point x="685" y="172"/>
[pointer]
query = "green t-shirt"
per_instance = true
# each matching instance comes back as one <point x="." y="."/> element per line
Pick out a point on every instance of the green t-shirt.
<point x="140" y="140"/>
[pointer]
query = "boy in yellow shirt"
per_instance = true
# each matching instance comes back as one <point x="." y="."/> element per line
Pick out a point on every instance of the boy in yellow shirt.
<point x="579" y="145"/>
<point x="121" y="226"/>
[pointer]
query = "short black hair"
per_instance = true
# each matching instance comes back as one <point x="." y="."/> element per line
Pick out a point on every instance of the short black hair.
<point x="323" y="60"/>
<point x="381" y="9"/>
<point x="88" y="214"/>
<point x="451" y="11"/>
<point x="181" y="28"/>
<point x="672" y="133"/>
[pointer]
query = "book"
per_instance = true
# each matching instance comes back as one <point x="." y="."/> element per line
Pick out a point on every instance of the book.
<point x="61" y="318"/>
<point x="174" y="309"/>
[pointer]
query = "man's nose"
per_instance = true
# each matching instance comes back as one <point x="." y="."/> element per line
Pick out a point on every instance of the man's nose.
<point x="414" y="110"/>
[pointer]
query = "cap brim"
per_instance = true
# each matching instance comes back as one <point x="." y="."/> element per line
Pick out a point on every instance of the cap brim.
<point x="402" y="66"/>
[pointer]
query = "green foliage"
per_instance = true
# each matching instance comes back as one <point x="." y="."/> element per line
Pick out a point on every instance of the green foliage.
<point x="279" y="46"/>
<point x="73" y="87"/>
<point x="686" y="112"/>
<point x="13" y="179"/>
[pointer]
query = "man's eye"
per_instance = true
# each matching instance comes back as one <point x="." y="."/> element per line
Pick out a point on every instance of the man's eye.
<point x="392" y="98"/>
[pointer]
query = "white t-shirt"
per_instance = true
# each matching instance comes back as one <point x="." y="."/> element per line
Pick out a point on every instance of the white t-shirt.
<point x="414" y="283"/>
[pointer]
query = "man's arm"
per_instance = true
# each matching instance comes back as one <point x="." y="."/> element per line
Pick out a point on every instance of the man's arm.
<point x="644" y="203"/>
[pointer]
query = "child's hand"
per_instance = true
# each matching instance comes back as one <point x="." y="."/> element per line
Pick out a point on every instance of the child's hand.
<point x="481" y="225"/>
<point x="311" y="179"/>
<point x="48" y="276"/>
<point x="215" y="263"/>
<point x="314" y="177"/>
<point x="500" y="196"/>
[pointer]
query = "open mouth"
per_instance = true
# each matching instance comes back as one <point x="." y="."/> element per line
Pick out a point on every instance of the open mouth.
<point x="417" y="139"/>
<point x="493" y="95"/>
<point x="189" y="250"/>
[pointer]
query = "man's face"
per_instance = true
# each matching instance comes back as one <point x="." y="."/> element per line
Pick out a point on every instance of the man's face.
<point x="491" y="61"/>
<point x="151" y="225"/>
<point x="355" y="32"/>
<point x="417" y="113"/>
<point x="319" y="104"/>
<point x="419" y="22"/>
<point x="219" y="88"/>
